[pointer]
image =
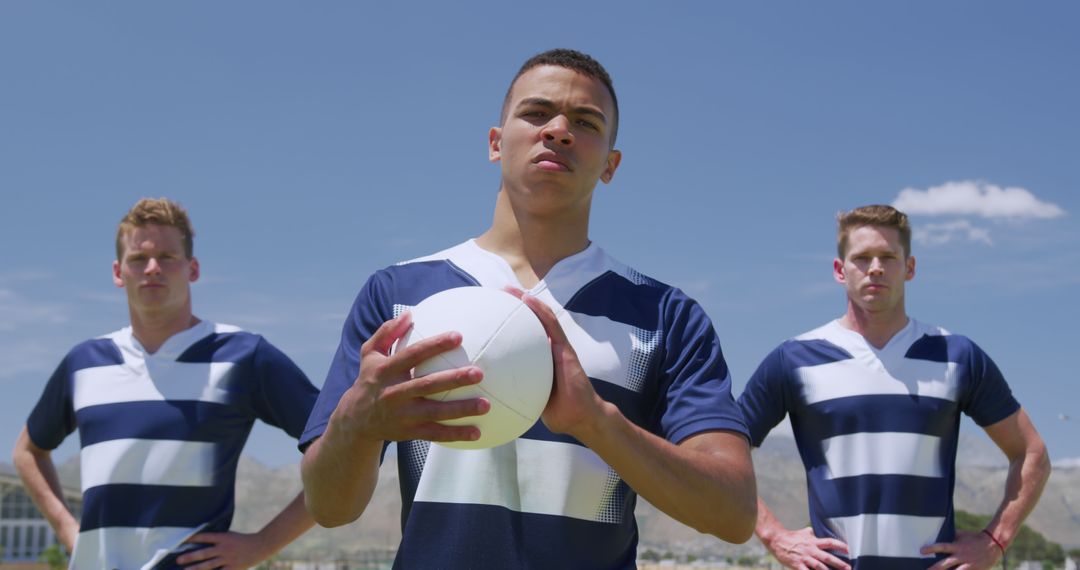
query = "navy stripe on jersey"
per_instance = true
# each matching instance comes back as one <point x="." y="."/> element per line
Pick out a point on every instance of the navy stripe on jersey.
<point x="94" y="353"/>
<point x="472" y="539"/>
<point x="229" y="347"/>
<point x="617" y="298"/>
<point x="415" y="282"/>
<point x="885" y="563"/>
<point x="187" y="420"/>
<point x="894" y="494"/>
<point x="876" y="414"/>
<point x="126" y="505"/>
<point x="813" y="353"/>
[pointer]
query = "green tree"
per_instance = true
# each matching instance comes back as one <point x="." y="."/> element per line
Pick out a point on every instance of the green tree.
<point x="54" y="557"/>
<point x="650" y="555"/>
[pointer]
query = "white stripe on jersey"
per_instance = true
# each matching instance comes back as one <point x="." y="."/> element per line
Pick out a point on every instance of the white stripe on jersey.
<point x="851" y="377"/>
<point x="535" y="473"/>
<point x="128" y="547"/>
<point x="171" y="380"/>
<point x="888" y="453"/>
<point x="148" y="462"/>
<point x="886" y="535"/>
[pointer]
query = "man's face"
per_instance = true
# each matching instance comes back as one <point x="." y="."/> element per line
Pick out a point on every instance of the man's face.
<point x="555" y="142"/>
<point x="154" y="270"/>
<point x="874" y="268"/>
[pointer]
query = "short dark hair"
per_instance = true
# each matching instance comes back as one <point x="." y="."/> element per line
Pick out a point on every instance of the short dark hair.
<point x="873" y="215"/>
<point x="573" y="60"/>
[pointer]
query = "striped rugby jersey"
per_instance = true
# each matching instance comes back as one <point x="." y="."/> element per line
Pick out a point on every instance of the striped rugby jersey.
<point x="877" y="431"/>
<point x="544" y="500"/>
<point x="161" y="434"/>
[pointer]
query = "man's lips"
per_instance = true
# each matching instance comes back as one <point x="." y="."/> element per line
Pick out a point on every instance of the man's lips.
<point x="551" y="162"/>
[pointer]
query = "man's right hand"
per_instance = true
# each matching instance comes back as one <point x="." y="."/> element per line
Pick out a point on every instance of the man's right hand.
<point x="387" y="404"/>
<point x="801" y="550"/>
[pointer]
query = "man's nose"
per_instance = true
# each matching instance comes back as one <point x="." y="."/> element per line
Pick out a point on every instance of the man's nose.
<point x="876" y="268"/>
<point x="558" y="130"/>
<point x="152" y="266"/>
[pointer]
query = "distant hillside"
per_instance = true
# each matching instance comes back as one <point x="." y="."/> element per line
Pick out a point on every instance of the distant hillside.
<point x="262" y="491"/>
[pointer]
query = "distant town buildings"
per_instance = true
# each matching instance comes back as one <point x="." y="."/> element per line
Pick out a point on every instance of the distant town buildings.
<point x="24" y="532"/>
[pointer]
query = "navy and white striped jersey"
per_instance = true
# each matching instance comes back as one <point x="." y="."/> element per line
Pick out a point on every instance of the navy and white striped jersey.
<point x="161" y="433"/>
<point x="877" y="431"/>
<point x="545" y="500"/>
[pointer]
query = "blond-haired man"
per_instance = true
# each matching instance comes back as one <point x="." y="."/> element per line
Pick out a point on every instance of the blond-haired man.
<point x="875" y="399"/>
<point x="163" y="408"/>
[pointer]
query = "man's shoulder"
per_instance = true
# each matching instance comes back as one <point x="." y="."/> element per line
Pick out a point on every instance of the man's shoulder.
<point x="932" y="342"/>
<point x="448" y="261"/>
<point x="104" y="350"/>
<point x="821" y="345"/>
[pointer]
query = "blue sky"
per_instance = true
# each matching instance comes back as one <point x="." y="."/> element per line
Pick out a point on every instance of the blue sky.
<point x="315" y="143"/>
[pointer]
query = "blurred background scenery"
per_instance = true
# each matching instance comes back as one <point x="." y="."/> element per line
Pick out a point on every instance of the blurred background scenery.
<point x="316" y="143"/>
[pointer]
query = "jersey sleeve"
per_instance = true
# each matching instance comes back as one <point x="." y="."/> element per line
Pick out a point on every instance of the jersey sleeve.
<point x="764" y="402"/>
<point x="369" y="311"/>
<point x="285" y="395"/>
<point x="53" y="417"/>
<point x="698" y="396"/>
<point x="988" y="397"/>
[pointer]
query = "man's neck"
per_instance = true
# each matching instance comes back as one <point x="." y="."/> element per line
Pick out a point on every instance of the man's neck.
<point x="877" y="328"/>
<point x="152" y="330"/>
<point x="532" y="245"/>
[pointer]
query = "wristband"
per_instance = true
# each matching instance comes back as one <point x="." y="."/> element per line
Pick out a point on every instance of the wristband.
<point x="997" y="542"/>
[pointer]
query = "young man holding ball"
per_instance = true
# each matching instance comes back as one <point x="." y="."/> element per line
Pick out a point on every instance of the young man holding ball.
<point x="641" y="400"/>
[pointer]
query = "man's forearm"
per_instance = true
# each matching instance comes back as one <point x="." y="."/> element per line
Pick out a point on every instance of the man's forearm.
<point x="42" y="482"/>
<point x="767" y="525"/>
<point x="1023" y="487"/>
<point x="287" y="526"/>
<point x="707" y="482"/>
<point x="339" y="474"/>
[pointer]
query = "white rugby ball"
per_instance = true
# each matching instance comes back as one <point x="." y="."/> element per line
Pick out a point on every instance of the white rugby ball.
<point x="501" y="336"/>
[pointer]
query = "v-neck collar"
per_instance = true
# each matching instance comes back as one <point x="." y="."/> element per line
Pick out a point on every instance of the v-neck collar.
<point x="176" y="344"/>
<point x="897" y="339"/>
<point x="566" y="268"/>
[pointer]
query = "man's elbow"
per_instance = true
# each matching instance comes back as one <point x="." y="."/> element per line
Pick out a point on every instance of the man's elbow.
<point x="1043" y="460"/>
<point x="24" y="455"/>
<point x="325" y="515"/>
<point x="736" y="523"/>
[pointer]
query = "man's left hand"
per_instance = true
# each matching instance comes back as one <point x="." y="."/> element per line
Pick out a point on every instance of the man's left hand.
<point x="574" y="405"/>
<point x="226" y="551"/>
<point x="970" y="551"/>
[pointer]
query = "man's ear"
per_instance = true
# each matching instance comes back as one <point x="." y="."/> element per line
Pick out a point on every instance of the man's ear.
<point x="838" y="271"/>
<point x="194" y="276"/>
<point x="494" y="144"/>
<point x="116" y="279"/>
<point x="613" y="159"/>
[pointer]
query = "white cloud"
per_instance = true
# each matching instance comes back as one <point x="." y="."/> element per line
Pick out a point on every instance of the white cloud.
<point x="27" y="357"/>
<point x="940" y="234"/>
<point x="25" y="275"/>
<point x="974" y="198"/>
<point x="18" y="311"/>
